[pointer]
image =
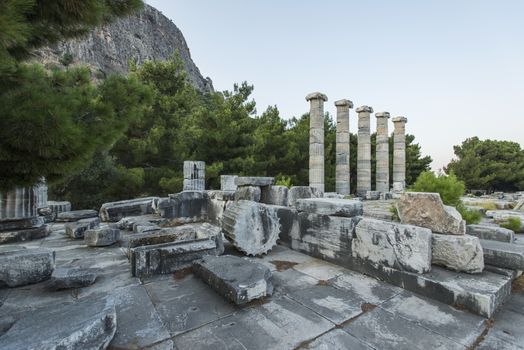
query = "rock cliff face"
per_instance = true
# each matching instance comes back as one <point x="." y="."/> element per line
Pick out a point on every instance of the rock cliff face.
<point x="147" y="35"/>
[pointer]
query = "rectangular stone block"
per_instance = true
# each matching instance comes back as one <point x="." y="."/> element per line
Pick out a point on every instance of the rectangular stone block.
<point x="274" y="195"/>
<point x="115" y="211"/>
<point x="330" y="206"/>
<point x="254" y="181"/>
<point x="492" y="233"/>
<point x="457" y="253"/>
<point x="501" y="254"/>
<point x="194" y="185"/>
<point x="402" y="247"/>
<point x="227" y="182"/>
<point x="194" y="170"/>
<point x="248" y="193"/>
<point x="183" y="207"/>
<point x="78" y="228"/>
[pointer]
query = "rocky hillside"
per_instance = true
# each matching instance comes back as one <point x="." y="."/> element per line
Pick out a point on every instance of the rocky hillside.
<point x="147" y="35"/>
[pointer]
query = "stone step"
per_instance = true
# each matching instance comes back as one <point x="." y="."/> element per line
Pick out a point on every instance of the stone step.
<point x="501" y="254"/>
<point x="491" y="232"/>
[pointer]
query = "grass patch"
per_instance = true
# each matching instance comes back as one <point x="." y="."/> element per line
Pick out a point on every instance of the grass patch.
<point x="513" y="223"/>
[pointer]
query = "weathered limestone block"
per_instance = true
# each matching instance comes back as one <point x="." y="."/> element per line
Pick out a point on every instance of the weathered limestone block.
<point x="77" y="229"/>
<point x="140" y="227"/>
<point x="399" y="154"/>
<point x="194" y="175"/>
<point x="183" y="207"/>
<point x="115" y="211"/>
<point x="254" y="181"/>
<point x="251" y="227"/>
<point x="274" y="195"/>
<point x="248" y="193"/>
<point x="316" y="139"/>
<point x="364" y="150"/>
<point x="501" y="254"/>
<point x="493" y="233"/>
<point x="101" y="237"/>
<point x="342" y="171"/>
<point x="288" y="220"/>
<point x="302" y="192"/>
<point x="238" y="279"/>
<point x="19" y="203"/>
<point x="86" y="324"/>
<point x="501" y="216"/>
<point x="457" y="253"/>
<point x="26" y="266"/>
<point x="20" y="224"/>
<point x="373" y="195"/>
<point x="427" y="210"/>
<point x="382" y="156"/>
<point x="59" y="207"/>
<point x="216" y="204"/>
<point x="75" y="215"/>
<point x="227" y="182"/>
<point x="129" y="222"/>
<point x="325" y="237"/>
<point x="21" y="235"/>
<point x="73" y="277"/>
<point x="328" y="206"/>
<point x="402" y="247"/>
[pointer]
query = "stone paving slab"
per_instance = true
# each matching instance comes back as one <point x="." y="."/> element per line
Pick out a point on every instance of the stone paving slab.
<point x="279" y="324"/>
<point x="509" y="327"/>
<point x="383" y="330"/>
<point x="493" y="343"/>
<point x="187" y="303"/>
<point x="336" y="340"/>
<point x="290" y="280"/>
<point x="462" y="327"/>
<point x="320" y="270"/>
<point x="515" y="303"/>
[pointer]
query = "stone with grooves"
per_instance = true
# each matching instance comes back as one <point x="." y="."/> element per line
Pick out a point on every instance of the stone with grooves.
<point x="59" y="207"/>
<point x="183" y="207"/>
<point x="237" y="279"/>
<point x="74" y="277"/>
<point x="27" y="234"/>
<point x="501" y="254"/>
<point x="493" y="233"/>
<point x="330" y="206"/>
<point x="75" y="215"/>
<point x="301" y="192"/>
<point x="115" y="211"/>
<point x="248" y="193"/>
<point x="101" y="237"/>
<point x="402" y="247"/>
<point x="457" y="253"/>
<point x="251" y="227"/>
<point x="254" y="181"/>
<point x="427" y="210"/>
<point x="26" y="266"/>
<point x="274" y="195"/>
<point x="78" y="229"/>
<point x="86" y="324"/>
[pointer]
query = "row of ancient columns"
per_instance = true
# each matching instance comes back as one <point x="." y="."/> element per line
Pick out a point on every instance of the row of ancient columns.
<point x="316" y="148"/>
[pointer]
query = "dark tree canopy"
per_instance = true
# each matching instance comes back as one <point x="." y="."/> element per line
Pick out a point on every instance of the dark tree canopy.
<point x="489" y="165"/>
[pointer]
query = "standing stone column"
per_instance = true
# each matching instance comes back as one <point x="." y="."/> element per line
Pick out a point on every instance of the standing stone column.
<point x="364" y="151"/>
<point x="382" y="171"/>
<point x="194" y="175"/>
<point x="342" y="177"/>
<point x="399" y="154"/>
<point x="316" y="140"/>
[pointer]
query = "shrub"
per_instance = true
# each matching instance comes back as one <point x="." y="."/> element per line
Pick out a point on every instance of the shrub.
<point x="512" y="223"/>
<point x="449" y="187"/>
<point x="284" y="181"/>
<point x="394" y="213"/>
<point x="470" y="215"/>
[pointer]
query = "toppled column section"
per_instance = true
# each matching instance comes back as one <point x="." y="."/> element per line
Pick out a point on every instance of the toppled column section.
<point x="458" y="253"/>
<point x="402" y="247"/>
<point x="382" y="170"/>
<point x="399" y="154"/>
<point x="342" y="180"/>
<point x="26" y="266"/>
<point x="194" y="175"/>
<point x="364" y="151"/>
<point x="427" y="210"/>
<point x="238" y="279"/>
<point x="316" y="139"/>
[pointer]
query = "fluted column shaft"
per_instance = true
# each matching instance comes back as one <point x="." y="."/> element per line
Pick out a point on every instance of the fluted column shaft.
<point x="382" y="170"/>
<point x="399" y="154"/>
<point x="316" y="139"/>
<point x="342" y="176"/>
<point x="364" y="151"/>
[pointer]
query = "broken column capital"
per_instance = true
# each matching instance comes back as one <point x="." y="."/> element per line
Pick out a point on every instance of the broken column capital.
<point x="364" y="109"/>
<point x="344" y="103"/>
<point x="399" y="120"/>
<point x="382" y="115"/>
<point x="316" y="96"/>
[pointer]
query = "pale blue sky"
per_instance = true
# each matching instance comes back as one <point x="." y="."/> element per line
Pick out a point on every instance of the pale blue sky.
<point x="455" y="69"/>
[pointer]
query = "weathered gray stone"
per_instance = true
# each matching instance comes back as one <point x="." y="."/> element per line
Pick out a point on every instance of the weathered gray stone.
<point x="74" y="277"/>
<point x="382" y="155"/>
<point x="274" y="195"/>
<point x="19" y="203"/>
<point x="427" y="210"/>
<point x="77" y="229"/>
<point x="75" y="215"/>
<point x="342" y="171"/>
<point x="316" y="139"/>
<point x="254" y="181"/>
<point x="520" y="205"/>
<point x="89" y="324"/>
<point x="115" y="211"/>
<point x="403" y="247"/>
<point x="302" y="192"/>
<point x="492" y="233"/>
<point x="248" y="193"/>
<point x="183" y="207"/>
<point x="59" y="207"/>
<point x="457" y="253"/>
<point x="501" y="216"/>
<point x="364" y="150"/>
<point x="26" y="266"/>
<point x="372" y="195"/>
<point x="141" y="227"/>
<point x="337" y="339"/>
<point x="194" y="175"/>
<point x="399" y="154"/>
<point x="237" y="279"/>
<point x="328" y="206"/>
<point x="227" y="183"/>
<point x="12" y="225"/>
<point x="251" y="227"/>
<point x="216" y="204"/>
<point x="503" y="254"/>
<point x="101" y="237"/>
<point x="27" y="234"/>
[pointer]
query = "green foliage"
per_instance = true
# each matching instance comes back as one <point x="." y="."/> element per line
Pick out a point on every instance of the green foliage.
<point x="513" y="223"/>
<point x="284" y="181"/>
<point x="449" y="187"/>
<point x="66" y="59"/>
<point x="489" y="164"/>
<point x="470" y="215"/>
<point x="394" y="213"/>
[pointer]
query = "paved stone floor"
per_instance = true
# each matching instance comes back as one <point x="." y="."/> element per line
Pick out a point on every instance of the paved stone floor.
<point x="316" y="305"/>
